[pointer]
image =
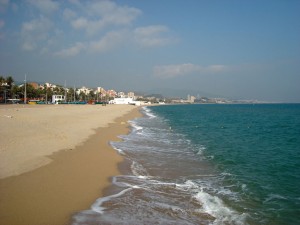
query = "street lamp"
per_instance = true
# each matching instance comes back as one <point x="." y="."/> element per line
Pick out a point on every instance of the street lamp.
<point x="5" y="96"/>
<point x="4" y="91"/>
<point x="25" y="94"/>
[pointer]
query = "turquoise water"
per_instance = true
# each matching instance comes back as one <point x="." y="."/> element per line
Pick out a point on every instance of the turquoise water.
<point x="258" y="146"/>
<point x="206" y="164"/>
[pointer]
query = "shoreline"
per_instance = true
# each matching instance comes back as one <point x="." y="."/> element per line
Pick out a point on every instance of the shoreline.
<point x="30" y="133"/>
<point x="70" y="183"/>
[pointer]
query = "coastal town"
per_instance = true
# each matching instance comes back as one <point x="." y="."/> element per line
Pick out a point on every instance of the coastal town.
<point x="48" y="93"/>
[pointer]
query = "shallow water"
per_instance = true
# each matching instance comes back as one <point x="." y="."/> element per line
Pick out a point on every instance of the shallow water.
<point x="206" y="164"/>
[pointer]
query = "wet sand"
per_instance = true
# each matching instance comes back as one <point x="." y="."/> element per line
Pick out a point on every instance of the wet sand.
<point x="71" y="182"/>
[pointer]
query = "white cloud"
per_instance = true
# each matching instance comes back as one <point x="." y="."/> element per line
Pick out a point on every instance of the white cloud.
<point x="35" y="32"/>
<point x="101" y="14"/>
<point x="106" y="43"/>
<point x="79" y="23"/>
<point x="111" y="13"/>
<point x="170" y="71"/>
<point x="107" y="24"/>
<point x="109" y="41"/>
<point x="152" y="36"/>
<point x="2" y="23"/>
<point x="69" y="14"/>
<point x="3" y="5"/>
<point x="150" y="30"/>
<point x="216" y="68"/>
<point x="91" y="27"/>
<point x="14" y="7"/>
<point x="45" y="6"/>
<point x="4" y="2"/>
<point x="72" y="51"/>
<point x="75" y="2"/>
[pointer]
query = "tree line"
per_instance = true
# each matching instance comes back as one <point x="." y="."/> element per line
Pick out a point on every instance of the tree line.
<point x="8" y="90"/>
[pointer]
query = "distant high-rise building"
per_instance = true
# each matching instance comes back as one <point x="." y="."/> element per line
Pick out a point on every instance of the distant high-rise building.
<point x="191" y="98"/>
<point x="83" y="90"/>
<point x="111" y="93"/>
<point x="121" y="94"/>
<point x="100" y="90"/>
<point x="130" y="94"/>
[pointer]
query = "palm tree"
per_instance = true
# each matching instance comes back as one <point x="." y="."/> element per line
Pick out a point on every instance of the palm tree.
<point x="6" y="86"/>
<point x="10" y="83"/>
<point x="2" y="80"/>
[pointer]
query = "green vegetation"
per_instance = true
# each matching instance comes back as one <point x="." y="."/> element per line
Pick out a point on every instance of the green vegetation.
<point x="8" y="90"/>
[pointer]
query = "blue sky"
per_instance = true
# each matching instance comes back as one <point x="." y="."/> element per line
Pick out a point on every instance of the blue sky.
<point x="230" y="48"/>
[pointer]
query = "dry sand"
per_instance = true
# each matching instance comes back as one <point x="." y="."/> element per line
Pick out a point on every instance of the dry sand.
<point x="29" y="133"/>
<point x="55" y="160"/>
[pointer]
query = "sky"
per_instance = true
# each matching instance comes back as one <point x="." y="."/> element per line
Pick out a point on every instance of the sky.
<point x="236" y="49"/>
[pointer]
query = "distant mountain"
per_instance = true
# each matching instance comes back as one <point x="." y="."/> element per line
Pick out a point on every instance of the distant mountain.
<point x="159" y="96"/>
<point x="181" y="93"/>
<point x="27" y="81"/>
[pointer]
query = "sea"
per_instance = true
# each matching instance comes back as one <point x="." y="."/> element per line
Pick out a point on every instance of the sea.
<point x="206" y="164"/>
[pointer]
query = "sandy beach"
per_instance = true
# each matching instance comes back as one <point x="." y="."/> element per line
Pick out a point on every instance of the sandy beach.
<point x="55" y="160"/>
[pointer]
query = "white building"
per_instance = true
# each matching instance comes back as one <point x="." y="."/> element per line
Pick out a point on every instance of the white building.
<point x="48" y="86"/>
<point x="121" y="94"/>
<point x="58" y="98"/>
<point x="84" y="90"/>
<point x="131" y="95"/>
<point x="100" y="90"/>
<point x="128" y="101"/>
<point x="191" y="98"/>
<point x="122" y="101"/>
